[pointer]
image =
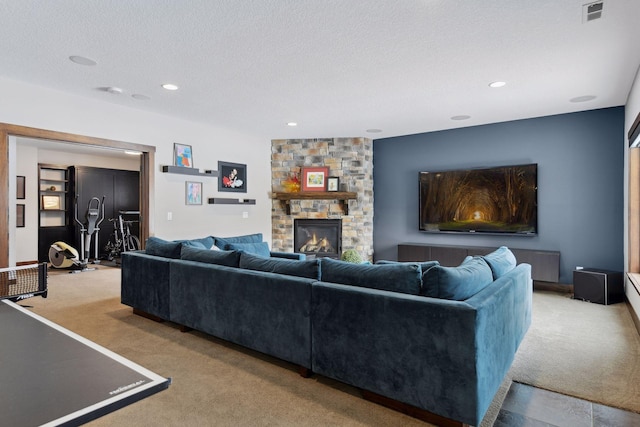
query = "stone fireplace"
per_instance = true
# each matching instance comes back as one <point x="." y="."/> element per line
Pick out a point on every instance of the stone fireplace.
<point x="349" y="159"/>
<point x="318" y="237"/>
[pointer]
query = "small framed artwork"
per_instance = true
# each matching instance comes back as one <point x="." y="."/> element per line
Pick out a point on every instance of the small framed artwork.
<point x="19" y="215"/>
<point x="182" y="155"/>
<point x="232" y="177"/>
<point x="193" y="193"/>
<point x="50" y="203"/>
<point x="333" y="183"/>
<point x="315" y="179"/>
<point x="20" y="180"/>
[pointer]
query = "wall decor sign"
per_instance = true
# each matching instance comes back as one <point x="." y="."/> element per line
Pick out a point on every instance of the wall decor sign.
<point x="333" y="183"/>
<point x="315" y="179"/>
<point x="20" y="181"/>
<point x="19" y="215"/>
<point x="50" y="203"/>
<point x="193" y="193"/>
<point x="232" y="177"/>
<point x="182" y="155"/>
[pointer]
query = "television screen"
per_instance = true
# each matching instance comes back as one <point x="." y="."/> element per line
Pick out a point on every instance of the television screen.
<point x="494" y="200"/>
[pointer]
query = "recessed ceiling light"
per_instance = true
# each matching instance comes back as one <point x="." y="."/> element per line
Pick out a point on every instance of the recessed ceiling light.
<point x="497" y="84"/>
<point x="584" y="98"/>
<point x="82" y="60"/>
<point x="461" y="117"/>
<point x="374" y="130"/>
<point x="141" y="97"/>
<point x="292" y="124"/>
<point x="114" y="90"/>
<point x="170" y="86"/>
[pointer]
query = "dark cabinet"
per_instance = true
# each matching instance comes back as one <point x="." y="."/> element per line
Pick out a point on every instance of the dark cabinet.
<point x="121" y="191"/>
<point x="54" y="220"/>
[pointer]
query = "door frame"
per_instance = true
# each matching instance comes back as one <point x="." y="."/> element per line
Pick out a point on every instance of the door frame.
<point x="147" y="160"/>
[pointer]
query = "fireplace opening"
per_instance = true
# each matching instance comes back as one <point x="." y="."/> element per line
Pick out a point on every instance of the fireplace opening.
<point x="319" y="237"/>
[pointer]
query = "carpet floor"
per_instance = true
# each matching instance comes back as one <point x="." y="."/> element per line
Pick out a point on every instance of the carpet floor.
<point x="218" y="383"/>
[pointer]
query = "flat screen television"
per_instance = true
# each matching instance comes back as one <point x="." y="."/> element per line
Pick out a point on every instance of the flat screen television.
<point x="499" y="200"/>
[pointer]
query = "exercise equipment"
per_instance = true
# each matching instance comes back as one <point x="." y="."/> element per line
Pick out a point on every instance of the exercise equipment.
<point x="62" y="255"/>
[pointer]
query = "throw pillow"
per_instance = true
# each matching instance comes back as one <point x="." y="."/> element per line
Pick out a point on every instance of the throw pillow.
<point x="222" y="242"/>
<point x="260" y="249"/>
<point x="164" y="248"/>
<point x="207" y="242"/>
<point x="457" y="283"/>
<point x="396" y="277"/>
<point x="228" y="258"/>
<point x="309" y="269"/>
<point x="501" y="261"/>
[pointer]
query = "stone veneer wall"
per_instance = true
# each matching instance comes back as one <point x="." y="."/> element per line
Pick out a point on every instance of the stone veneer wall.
<point x="350" y="159"/>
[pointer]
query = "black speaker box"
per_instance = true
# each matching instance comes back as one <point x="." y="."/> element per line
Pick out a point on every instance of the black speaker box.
<point x="598" y="286"/>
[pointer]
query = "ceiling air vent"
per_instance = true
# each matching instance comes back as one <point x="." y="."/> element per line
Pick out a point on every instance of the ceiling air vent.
<point x="592" y="11"/>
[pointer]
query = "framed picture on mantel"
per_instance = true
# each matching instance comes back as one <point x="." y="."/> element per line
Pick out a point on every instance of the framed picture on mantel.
<point x="315" y="179"/>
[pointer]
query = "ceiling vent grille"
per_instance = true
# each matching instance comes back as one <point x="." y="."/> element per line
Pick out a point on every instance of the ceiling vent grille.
<point x="592" y="11"/>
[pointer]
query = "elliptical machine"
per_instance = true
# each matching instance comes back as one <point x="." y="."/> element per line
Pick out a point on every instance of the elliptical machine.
<point x="93" y="219"/>
<point x="62" y="255"/>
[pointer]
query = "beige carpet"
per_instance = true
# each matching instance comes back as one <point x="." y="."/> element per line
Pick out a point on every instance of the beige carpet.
<point x="581" y="349"/>
<point x="213" y="382"/>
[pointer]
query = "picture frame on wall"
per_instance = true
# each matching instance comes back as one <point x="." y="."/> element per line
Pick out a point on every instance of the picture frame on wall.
<point x="20" y="185"/>
<point x="193" y="193"/>
<point x="182" y="155"/>
<point x="333" y="183"/>
<point x="232" y="177"/>
<point x="20" y="215"/>
<point x="315" y="178"/>
<point x="50" y="203"/>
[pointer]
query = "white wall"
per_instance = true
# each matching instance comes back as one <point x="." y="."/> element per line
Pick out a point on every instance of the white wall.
<point x="33" y="106"/>
<point x="631" y="111"/>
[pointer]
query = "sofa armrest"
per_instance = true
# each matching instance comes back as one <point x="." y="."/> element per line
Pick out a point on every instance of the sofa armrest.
<point x="145" y="283"/>
<point x="289" y="255"/>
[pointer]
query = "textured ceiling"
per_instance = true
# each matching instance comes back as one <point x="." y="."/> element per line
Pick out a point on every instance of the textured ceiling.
<point x="337" y="67"/>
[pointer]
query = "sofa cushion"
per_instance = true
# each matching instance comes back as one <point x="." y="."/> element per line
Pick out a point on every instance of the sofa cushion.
<point x="309" y="269"/>
<point x="457" y="283"/>
<point x="396" y="277"/>
<point x="424" y="265"/>
<point x="206" y="242"/>
<point x="228" y="258"/>
<point x="221" y="242"/>
<point x="501" y="261"/>
<point x="260" y="248"/>
<point x="163" y="248"/>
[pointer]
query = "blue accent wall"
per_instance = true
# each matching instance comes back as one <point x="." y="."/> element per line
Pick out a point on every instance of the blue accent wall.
<point x="580" y="159"/>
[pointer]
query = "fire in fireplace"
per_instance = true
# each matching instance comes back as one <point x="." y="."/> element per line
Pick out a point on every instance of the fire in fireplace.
<point x="319" y="237"/>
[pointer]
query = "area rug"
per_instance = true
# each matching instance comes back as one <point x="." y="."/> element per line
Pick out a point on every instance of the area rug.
<point x="581" y="349"/>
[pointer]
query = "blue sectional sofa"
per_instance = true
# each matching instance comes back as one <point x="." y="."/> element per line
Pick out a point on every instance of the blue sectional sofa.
<point x="440" y="339"/>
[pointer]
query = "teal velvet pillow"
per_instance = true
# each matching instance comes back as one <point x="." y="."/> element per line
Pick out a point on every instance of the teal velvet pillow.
<point x="192" y="244"/>
<point x="501" y="261"/>
<point x="396" y="277"/>
<point x="457" y="283"/>
<point x="206" y="242"/>
<point x="222" y="242"/>
<point x="228" y="258"/>
<point x="424" y="265"/>
<point x="309" y="269"/>
<point x="164" y="248"/>
<point x="260" y="249"/>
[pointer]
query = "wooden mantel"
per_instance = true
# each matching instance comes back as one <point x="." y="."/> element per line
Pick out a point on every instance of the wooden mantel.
<point x="340" y="196"/>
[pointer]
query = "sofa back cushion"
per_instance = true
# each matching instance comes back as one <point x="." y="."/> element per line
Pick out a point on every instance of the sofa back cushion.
<point x="228" y="258"/>
<point x="206" y="242"/>
<point x="501" y="261"/>
<point x="424" y="265"/>
<point x="222" y="242"/>
<point x="396" y="277"/>
<point x="309" y="269"/>
<point x="163" y="248"/>
<point x="259" y="248"/>
<point x="457" y="283"/>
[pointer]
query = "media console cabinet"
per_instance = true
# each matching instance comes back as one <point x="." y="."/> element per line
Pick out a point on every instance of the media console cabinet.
<point x="545" y="265"/>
